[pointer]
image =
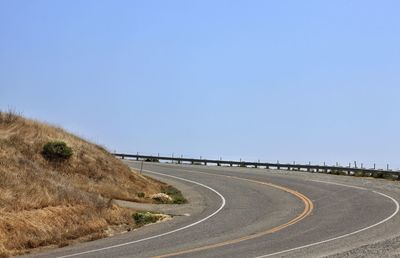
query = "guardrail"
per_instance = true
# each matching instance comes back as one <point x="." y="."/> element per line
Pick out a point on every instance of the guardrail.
<point x="380" y="173"/>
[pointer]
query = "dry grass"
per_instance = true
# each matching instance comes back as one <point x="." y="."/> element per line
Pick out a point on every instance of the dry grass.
<point x="44" y="203"/>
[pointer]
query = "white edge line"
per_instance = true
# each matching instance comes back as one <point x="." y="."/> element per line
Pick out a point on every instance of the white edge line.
<point x="332" y="183"/>
<point x="166" y="233"/>
<point x="346" y="235"/>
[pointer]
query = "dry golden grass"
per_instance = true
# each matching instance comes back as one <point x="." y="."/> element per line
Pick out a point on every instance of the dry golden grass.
<point x="46" y="203"/>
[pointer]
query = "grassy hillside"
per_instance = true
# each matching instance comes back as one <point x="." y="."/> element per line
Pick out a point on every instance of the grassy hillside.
<point x="44" y="202"/>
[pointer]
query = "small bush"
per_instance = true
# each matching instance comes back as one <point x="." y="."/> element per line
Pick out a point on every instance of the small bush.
<point x="378" y="175"/>
<point x="179" y="200"/>
<point x="338" y="172"/>
<point x="142" y="218"/>
<point x="141" y="194"/>
<point x="56" y="151"/>
<point x="175" y="194"/>
<point x="152" y="160"/>
<point x="170" y="190"/>
<point x="360" y="174"/>
<point x="242" y="165"/>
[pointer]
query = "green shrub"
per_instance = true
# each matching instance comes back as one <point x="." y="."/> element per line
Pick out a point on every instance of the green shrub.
<point x="338" y="172"/>
<point x="378" y="175"/>
<point x="152" y="160"/>
<point x="56" y="151"/>
<point x="142" y="218"/>
<point x="179" y="200"/>
<point x="175" y="194"/>
<point x="170" y="190"/>
<point x="360" y="174"/>
<point x="382" y="175"/>
<point x="141" y="194"/>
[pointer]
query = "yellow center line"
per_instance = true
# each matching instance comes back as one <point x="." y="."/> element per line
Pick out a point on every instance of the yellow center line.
<point x="308" y="207"/>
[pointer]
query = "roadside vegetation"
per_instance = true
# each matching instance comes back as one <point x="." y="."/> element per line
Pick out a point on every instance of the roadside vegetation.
<point x="338" y="173"/>
<point x="56" y="188"/>
<point x="375" y="174"/>
<point x="175" y="194"/>
<point x="56" y="151"/>
<point x="152" y="160"/>
<point x="146" y="217"/>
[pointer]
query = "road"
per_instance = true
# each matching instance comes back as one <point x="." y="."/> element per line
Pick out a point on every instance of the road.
<point x="244" y="212"/>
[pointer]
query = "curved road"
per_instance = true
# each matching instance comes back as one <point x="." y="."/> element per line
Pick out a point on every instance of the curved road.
<point x="239" y="212"/>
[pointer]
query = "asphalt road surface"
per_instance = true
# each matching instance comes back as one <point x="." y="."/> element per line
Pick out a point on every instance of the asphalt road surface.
<point x="244" y="212"/>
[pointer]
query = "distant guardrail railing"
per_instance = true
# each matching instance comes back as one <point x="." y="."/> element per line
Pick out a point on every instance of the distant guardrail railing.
<point x="357" y="171"/>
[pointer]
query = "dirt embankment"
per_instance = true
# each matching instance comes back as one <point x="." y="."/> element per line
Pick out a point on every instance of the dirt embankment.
<point x="45" y="203"/>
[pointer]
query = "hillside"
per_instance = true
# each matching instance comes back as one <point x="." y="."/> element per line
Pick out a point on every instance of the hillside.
<point x="45" y="203"/>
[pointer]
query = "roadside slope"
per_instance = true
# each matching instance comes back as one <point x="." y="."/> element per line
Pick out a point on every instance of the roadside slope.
<point x="45" y="203"/>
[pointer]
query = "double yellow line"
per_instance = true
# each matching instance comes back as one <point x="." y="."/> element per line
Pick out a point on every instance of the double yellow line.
<point x="308" y="207"/>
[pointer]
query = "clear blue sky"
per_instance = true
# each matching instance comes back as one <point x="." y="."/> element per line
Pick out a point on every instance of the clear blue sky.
<point x="272" y="80"/>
